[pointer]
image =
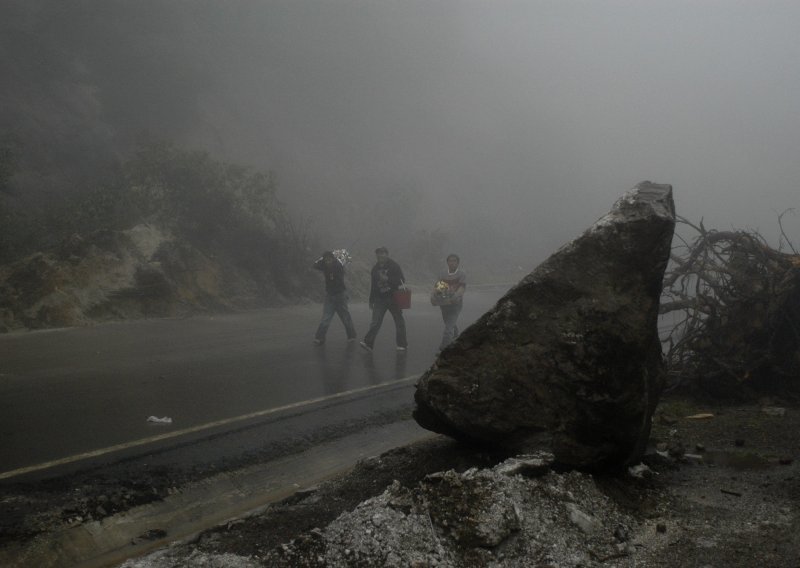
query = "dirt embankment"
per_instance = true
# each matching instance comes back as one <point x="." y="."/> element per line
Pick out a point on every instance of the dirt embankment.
<point x="138" y="273"/>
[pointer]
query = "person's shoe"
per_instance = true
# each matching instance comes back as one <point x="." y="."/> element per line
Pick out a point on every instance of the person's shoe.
<point x="318" y="342"/>
<point x="401" y="348"/>
<point x="364" y="345"/>
<point x="351" y="339"/>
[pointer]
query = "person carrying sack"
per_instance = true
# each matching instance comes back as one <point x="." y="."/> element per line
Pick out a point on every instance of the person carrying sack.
<point x="386" y="278"/>
<point x="335" y="297"/>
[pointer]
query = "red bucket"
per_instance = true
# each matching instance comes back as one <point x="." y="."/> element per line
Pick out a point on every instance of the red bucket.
<point x="402" y="299"/>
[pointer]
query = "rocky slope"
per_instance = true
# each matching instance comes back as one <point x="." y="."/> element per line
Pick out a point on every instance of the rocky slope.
<point x="137" y="273"/>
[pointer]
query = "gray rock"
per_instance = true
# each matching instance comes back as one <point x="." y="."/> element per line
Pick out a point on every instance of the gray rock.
<point x="583" y="521"/>
<point x="470" y="508"/>
<point x="569" y="360"/>
<point x="532" y="465"/>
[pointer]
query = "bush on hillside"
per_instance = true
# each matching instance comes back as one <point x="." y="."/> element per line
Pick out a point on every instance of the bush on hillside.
<point x="226" y="210"/>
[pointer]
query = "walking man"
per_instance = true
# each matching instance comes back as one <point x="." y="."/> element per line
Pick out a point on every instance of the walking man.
<point x="448" y="294"/>
<point x="335" y="298"/>
<point x="386" y="278"/>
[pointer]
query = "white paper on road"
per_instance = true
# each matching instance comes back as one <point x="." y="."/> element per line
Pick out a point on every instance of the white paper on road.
<point x="156" y="420"/>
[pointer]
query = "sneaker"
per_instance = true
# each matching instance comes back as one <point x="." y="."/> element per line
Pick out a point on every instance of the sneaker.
<point x="399" y="348"/>
<point x="351" y="339"/>
<point x="318" y="342"/>
<point x="365" y="346"/>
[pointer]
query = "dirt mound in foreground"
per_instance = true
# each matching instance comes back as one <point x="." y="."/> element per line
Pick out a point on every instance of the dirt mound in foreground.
<point x="720" y="487"/>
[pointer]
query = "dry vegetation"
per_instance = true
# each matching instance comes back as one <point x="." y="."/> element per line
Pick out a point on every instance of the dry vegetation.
<point x="736" y="304"/>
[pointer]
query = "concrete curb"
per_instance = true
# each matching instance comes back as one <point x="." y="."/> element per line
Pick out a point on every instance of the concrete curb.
<point x="205" y="504"/>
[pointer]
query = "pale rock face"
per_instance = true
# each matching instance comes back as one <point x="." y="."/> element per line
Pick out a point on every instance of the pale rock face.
<point x="569" y="360"/>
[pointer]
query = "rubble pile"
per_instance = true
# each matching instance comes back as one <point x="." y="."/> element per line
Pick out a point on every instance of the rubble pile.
<point x="481" y="517"/>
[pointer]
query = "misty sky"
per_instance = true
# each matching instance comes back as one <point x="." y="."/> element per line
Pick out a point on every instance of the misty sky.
<point x="516" y="121"/>
<point x="531" y="116"/>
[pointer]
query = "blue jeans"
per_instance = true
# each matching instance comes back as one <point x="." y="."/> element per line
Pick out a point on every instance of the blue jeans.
<point x="450" y="316"/>
<point x="335" y="304"/>
<point x="379" y="309"/>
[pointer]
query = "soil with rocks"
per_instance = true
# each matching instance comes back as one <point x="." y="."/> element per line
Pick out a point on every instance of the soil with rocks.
<point x="719" y="486"/>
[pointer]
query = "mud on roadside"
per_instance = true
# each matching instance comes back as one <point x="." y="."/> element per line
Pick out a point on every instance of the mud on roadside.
<point x="721" y="487"/>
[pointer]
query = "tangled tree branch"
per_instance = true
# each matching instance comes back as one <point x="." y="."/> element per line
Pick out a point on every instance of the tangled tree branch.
<point x="734" y="303"/>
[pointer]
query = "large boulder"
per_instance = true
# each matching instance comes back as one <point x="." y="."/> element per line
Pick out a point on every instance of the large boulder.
<point x="569" y="360"/>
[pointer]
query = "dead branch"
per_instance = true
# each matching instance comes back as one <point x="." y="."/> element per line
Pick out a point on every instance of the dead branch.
<point x="735" y="305"/>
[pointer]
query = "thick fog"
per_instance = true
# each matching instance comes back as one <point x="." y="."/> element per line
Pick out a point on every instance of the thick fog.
<point x="510" y="125"/>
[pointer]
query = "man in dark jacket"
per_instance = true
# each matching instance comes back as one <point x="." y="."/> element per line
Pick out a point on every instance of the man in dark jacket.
<point x="387" y="278"/>
<point x="335" y="298"/>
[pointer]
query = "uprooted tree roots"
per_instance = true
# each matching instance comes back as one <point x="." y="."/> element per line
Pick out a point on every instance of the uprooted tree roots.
<point x="733" y="308"/>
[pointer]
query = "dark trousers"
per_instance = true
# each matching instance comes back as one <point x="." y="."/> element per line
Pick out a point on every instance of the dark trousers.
<point x="379" y="309"/>
<point x="335" y="304"/>
<point x="450" y="316"/>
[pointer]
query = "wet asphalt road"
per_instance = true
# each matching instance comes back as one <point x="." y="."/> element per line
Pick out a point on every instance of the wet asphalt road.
<point x="68" y="392"/>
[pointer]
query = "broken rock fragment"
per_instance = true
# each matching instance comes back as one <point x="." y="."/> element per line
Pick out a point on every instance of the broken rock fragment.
<point x="569" y="360"/>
